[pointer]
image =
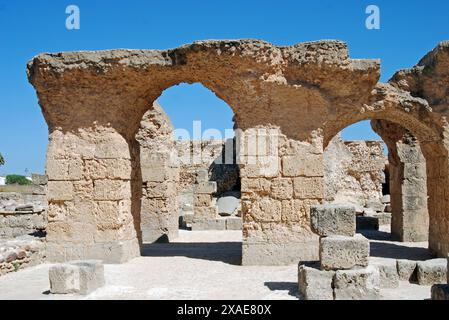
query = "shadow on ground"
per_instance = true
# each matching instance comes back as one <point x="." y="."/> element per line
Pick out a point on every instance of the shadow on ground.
<point x="397" y="251"/>
<point x="375" y="235"/>
<point x="227" y="252"/>
<point x="291" y="287"/>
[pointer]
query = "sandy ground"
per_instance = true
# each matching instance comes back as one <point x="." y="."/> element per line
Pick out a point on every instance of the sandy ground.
<point x="201" y="265"/>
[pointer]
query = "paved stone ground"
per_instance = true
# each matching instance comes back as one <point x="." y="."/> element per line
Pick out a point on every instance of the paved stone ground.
<point x="199" y="265"/>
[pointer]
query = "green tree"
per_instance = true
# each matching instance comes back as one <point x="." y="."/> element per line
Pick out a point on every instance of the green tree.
<point x="17" y="179"/>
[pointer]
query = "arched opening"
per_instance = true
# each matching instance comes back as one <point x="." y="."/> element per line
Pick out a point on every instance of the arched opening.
<point x="379" y="167"/>
<point x="190" y="199"/>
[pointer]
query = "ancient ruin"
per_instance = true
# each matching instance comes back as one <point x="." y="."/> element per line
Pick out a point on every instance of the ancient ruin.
<point x="110" y="179"/>
<point x="119" y="183"/>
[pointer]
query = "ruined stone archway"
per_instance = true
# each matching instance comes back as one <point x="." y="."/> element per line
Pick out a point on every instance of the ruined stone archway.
<point x="291" y="99"/>
<point x="401" y="109"/>
<point x="407" y="182"/>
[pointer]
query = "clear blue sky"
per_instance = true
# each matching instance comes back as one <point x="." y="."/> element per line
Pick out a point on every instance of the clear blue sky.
<point x="409" y="29"/>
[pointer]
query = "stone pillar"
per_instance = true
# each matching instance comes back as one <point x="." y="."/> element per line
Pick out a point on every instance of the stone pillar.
<point x="438" y="202"/>
<point x="160" y="175"/>
<point x="408" y="183"/>
<point x="410" y="218"/>
<point x="205" y="215"/>
<point x="281" y="179"/>
<point x="90" y="214"/>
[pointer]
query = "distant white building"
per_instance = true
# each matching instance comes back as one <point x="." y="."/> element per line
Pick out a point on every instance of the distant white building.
<point x="2" y="181"/>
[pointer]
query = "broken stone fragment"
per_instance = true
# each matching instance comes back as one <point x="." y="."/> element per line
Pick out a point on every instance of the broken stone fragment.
<point x="339" y="252"/>
<point x="80" y="277"/>
<point x="388" y="274"/>
<point x="432" y="272"/>
<point x="64" y="279"/>
<point x="357" y="284"/>
<point x="333" y="219"/>
<point x="209" y="224"/>
<point x="227" y="206"/>
<point x="406" y="269"/>
<point x="315" y="284"/>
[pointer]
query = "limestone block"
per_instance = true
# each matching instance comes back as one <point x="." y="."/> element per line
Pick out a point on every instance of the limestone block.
<point x="160" y="189"/>
<point x="282" y="188"/>
<point x="108" y="169"/>
<point x="210" y="212"/>
<point x="308" y="188"/>
<point x="386" y="199"/>
<point x="81" y="277"/>
<point x="339" y="252"/>
<point x="331" y="219"/>
<point x="209" y="224"/>
<point x="39" y="179"/>
<point x="64" y="169"/>
<point x="388" y="274"/>
<point x="357" y="284"/>
<point x="91" y="275"/>
<point x="208" y="187"/>
<point x="111" y="189"/>
<point x="440" y="292"/>
<point x="202" y="200"/>
<point x="234" y="223"/>
<point x="264" y="210"/>
<point x="112" y="146"/>
<point x="64" y="278"/>
<point x="315" y="284"/>
<point x="309" y="165"/>
<point x="227" y="205"/>
<point x="432" y="272"/>
<point x="255" y="185"/>
<point x="406" y="269"/>
<point x="155" y="174"/>
<point x="60" y="191"/>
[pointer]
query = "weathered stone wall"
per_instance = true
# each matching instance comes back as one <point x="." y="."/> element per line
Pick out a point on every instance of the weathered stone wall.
<point x="94" y="102"/>
<point x="93" y="195"/>
<point x="280" y="178"/>
<point x="354" y="172"/>
<point x="160" y="177"/>
<point x="14" y="224"/>
<point x="24" y="211"/>
<point x="208" y="155"/>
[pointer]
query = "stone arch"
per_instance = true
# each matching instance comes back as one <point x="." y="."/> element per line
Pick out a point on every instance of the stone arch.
<point x="400" y="109"/>
<point x="161" y="161"/>
<point x="299" y="97"/>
